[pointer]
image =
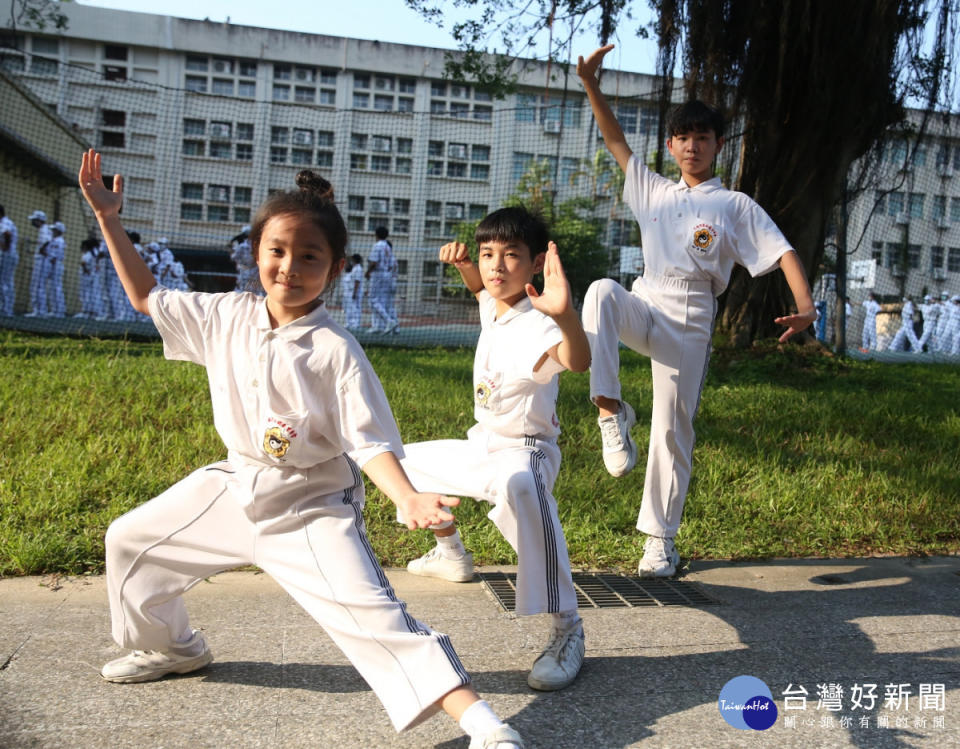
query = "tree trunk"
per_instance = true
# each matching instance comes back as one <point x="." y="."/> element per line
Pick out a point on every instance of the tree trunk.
<point x="785" y="67"/>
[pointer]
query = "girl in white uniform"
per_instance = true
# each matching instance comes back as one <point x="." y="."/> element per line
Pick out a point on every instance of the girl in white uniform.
<point x="300" y="410"/>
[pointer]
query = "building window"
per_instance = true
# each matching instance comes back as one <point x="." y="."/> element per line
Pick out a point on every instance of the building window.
<point x="358" y="141"/>
<point x="936" y="258"/>
<point x="358" y="161"/>
<point x="955" y="209"/>
<point x="361" y="80"/>
<point x="479" y="171"/>
<point x="325" y="138"/>
<point x="325" y="158"/>
<point x="938" y="211"/>
<point x="953" y="260"/>
<point x="244" y="152"/>
<point x="278" y="155"/>
<point x="112" y="128"/>
<point x="197" y="63"/>
<point x="305" y="94"/>
<point x="401" y="206"/>
<point x="380" y="163"/>
<point x="477" y="211"/>
<point x="222" y="87"/>
<point x="197" y="84"/>
<point x="355" y="202"/>
<point x="281" y="92"/>
<point x="194" y="147"/>
<point x="361" y="100"/>
<point x="115" y="52"/>
<point x="112" y="140"/>
<point x="916" y="204"/>
<point x="404" y="166"/>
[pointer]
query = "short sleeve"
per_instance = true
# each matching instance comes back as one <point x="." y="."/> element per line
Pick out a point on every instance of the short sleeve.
<point x="547" y="335"/>
<point x="367" y="426"/>
<point x="760" y="243"/>
<point x="488" y="308"/>
<point x="181" y="317"/>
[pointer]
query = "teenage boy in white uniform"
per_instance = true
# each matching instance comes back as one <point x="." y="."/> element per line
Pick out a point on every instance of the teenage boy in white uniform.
<point x="693" y="231"/>
<point x="510" y="457"/>
<point x="8" y="262"/>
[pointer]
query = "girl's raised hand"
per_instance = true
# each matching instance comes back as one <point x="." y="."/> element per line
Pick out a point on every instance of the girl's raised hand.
<point x="103" y="201"/>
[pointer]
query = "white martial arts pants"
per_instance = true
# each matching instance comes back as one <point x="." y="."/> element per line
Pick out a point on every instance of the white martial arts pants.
<point x="353" y="311"/>
<point x="517" y="477"/>
<point x="671" y="321"/>
<point x="314" y="545"/>
<point x="38" y="284"/>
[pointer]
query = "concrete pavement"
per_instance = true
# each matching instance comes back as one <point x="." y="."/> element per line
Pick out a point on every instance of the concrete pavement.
<point x="652" y="676"/>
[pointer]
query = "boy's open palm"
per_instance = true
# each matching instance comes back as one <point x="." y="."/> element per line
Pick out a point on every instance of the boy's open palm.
<point x="588" y="68"/>
<point x="555" y="299"/>
<point x="103" y="201"/>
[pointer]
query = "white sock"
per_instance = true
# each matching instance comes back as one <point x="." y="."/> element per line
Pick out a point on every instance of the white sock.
<point x="565" y="619"/>
<point x="479" y="719"/>
<point x="451" y="547"/>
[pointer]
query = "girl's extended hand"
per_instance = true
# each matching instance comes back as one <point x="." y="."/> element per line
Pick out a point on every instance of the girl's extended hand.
<point x="103" y="201"/>
<point x="423" y="509"/>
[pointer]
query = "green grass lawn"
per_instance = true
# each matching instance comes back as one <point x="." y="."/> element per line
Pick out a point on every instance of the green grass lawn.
<point x="798" y="453"/>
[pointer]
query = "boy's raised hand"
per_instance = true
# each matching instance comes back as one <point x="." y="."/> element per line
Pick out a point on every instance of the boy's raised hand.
<point x="587" y="69"/>
<point x="103" y="201"/>
<point x="456" y="254"/>
<point x="556" y="298"/>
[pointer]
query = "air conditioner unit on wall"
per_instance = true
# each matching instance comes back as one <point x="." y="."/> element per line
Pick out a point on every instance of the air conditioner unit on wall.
<point x="219" y="130"/>
<point x="945" y="170"/>
<point x="301" y="138"/>
<point x="939" y="274"/>
<point x="902" y="218"/>
<point x="551" y="126"/>
<point x="943" y="223"/>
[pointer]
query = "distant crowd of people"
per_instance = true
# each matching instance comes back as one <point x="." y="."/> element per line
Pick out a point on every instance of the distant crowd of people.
<point x="938" y="324"/>
<point x="100" y="296"/>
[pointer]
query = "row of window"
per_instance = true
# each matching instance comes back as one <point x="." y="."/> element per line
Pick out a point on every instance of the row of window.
<point x="891" y="255"/>
<point x="912" y="205"/>
<point x="904" y="153"/>
<point x="215" y="202"/>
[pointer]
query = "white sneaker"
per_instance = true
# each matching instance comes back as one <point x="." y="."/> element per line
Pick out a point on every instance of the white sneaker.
<point x="660" y="558"/>
<point x="434" y="564"/>
<point x="560" y="661"/>
<point x="503" y="737"/>
<point x="150" y="665"/>
<point x="619" y="449"/>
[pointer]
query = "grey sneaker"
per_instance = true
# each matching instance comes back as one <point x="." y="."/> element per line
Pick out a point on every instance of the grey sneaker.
<point x="660" y="558"/>
<point x="560" y="662"/>
<point x="434" y="564"/>
<point x="503" y="737"/>
<point x="150" y="665"/>
<point x="619" y="449"/>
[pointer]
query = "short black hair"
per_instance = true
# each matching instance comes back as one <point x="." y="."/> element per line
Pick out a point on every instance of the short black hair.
<point x="512" y="224"/>
<point x="695" y="116"/>
<point x="356" y="259"/>
<point x="381" y="232"/>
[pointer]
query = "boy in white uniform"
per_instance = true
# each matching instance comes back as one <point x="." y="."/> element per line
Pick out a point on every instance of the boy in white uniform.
<point x="510" y="457"/>
<point x="382" y="273"/>
<point x="8" y="262"/>
<point x="906" y="333"/>
<point x="693" y="231"/>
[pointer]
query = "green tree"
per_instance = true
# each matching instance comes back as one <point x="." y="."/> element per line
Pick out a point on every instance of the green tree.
<point x="37" y="15"/>
<point x="810" y="86"/>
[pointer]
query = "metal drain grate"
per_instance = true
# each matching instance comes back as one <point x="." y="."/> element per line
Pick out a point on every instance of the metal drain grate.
<point x="607" y="591"/>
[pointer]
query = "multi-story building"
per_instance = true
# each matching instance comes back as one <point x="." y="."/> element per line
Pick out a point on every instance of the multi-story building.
<point x="204" y="119"/>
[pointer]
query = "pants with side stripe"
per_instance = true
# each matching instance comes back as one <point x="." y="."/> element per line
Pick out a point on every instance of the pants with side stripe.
<point x="313" y="544"/>
<point x="516" y="476"/>
<point x="671" y="321"/>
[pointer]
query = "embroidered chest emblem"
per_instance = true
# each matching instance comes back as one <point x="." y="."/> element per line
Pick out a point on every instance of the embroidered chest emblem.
<point x="482" y="393"/>
<point x="704" y="236"/>
<point x="277" y="437"/>
<point x="274" y="443"/>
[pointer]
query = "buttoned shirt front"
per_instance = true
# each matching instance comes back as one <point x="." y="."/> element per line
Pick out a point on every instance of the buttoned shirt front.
<point x="509" y="397"/>
<point x="698" y="233"/>
<point x="301" y="395"/>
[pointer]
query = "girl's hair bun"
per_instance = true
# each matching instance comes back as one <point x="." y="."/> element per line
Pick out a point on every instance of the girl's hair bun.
<point x="310" y="182"/>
